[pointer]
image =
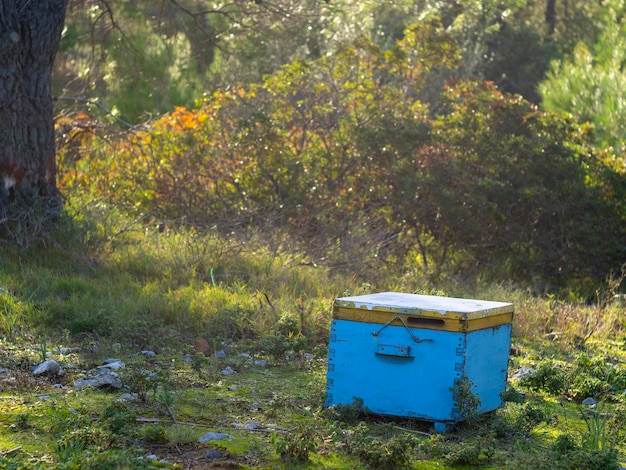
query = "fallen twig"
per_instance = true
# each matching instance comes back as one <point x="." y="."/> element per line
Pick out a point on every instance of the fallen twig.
<point x="413" y="431"/>
<point x="11" y="451"/>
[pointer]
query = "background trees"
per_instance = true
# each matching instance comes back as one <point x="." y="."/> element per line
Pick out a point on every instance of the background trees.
<point x="372" y="134"/>
<point x="379" y="156"/>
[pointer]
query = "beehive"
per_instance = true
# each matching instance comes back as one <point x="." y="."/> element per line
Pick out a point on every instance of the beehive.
<point x="416" y="355"/>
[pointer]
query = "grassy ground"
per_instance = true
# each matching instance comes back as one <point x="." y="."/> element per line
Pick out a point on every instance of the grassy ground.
<point x="115" y="288"/>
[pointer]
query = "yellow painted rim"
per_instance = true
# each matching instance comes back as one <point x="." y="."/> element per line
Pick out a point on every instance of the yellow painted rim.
<point x="425" y="320"/>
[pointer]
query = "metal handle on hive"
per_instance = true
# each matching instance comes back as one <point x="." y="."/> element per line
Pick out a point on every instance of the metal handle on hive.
<point x="398" y="317"/>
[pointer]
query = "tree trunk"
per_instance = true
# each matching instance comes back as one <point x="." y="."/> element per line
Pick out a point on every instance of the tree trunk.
<point x="551" y="16"/>
<point x="30" y="31"/>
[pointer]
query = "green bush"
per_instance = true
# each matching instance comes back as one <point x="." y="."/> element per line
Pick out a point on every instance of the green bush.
<point x="549" y="377"/>
<point x="296" y="445"/>
<point x="565" y="453"/>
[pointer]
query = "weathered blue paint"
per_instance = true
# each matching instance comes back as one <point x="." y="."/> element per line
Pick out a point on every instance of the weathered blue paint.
<point x="404" y="371"/>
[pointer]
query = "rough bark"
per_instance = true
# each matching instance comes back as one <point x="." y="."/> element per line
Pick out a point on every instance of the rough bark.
<point x="30" y="31"/>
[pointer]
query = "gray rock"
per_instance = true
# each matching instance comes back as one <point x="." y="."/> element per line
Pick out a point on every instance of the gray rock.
<point x="589" y="401"/>
<point x="148" y="354"/>
<point x="260" y="363"/>
<point x="228" y="371"/>
<point x="214" y="454"/>
<point x="66" y="351"/>
<point x="47" y="367"/>
<point x="309" y="356"/>
<point x="214" y="436"/>
<point x="245" y="356"/>
<point x="252" y="425"/>
<point x="128" y="397"/>
<point x="103" y="378"/>
<point x="221" y="354"/>
<point x="3" y="370"/>
<point x="522" y="373"/>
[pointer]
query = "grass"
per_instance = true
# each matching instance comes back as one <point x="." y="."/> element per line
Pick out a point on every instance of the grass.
<point x="94" y="291"/>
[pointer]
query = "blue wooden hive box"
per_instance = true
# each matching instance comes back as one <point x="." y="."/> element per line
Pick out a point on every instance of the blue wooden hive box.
<point x="417" y="356"/>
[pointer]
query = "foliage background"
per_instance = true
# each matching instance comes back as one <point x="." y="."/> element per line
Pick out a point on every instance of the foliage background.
<point x="397" y="144"/>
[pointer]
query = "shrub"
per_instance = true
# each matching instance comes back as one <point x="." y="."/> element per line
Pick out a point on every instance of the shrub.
<point x="549" y="377"/>
<point x="296" y="446"/>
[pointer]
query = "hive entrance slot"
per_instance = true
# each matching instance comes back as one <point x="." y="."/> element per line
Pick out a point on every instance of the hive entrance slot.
<point x="421" y="321"/>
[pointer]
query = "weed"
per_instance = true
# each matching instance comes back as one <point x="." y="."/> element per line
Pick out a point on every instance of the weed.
<point x="22" y="421"/>
<point x="473" y="452"/>
<point x="565" y="453"/>
<point x="518" y="420"/>
<point x="435" y="446"/>
<point x="279" y="346"/>
<point x="10" y="314"/>
<point x="69" y="451"/>
<point x="596" y="435"/>
<point x="117" y="417"/>
<point x="375" y="452"/>
<point x="166" y="397"/>
<point x="510" y="395"/>
<point x="347" y="413"/>
<point x="295" y="446"/>
<point x="43" y="350"/>
<point x="549" y="377"/>
<point x="144" y="382"/>
<point x="153" y="434"/>
<point x="465" y="400"/>
<point x="89" y="436"/>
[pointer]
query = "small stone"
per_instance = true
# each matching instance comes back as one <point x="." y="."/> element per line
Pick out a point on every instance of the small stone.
<point x="214" y="454"/>
<point x="221" y="354"/>
<point x="252" y="425"/>
<point x="112" y="364"/>
<point x="260" y="363"/>
<point x="589" y="401"/>
<point x="3" y="370"/>
<point x="255" y="406"/>
<point x="44" y="397"/>
<point x="214" y="436"/>
<point x="187" y="358"/>
<point x="273" y="426"/>
<point x="245" y="356"/>
<point x="309" y="356"/>
<point x="232" y="388"/>
<point x="148" y="354"/>
<point x="201" y="346"/>
<point x="228" y="371"/>
<point x="47" y="367"/>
